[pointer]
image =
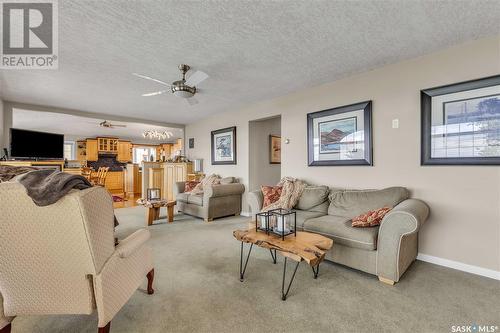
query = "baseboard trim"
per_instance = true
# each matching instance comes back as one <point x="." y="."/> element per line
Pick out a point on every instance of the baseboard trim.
<point x="246" y="214"/>
<point x="460" y="266"/>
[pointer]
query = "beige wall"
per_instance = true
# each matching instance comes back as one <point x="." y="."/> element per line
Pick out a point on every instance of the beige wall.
<point x="261" y="172"/>
<point x="464" y="225"/>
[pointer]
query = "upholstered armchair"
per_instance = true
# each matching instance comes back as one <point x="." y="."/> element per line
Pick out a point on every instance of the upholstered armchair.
<point x="62" y="259"/>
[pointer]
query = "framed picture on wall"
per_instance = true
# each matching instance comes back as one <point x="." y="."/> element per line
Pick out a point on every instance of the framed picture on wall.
<point x="461" y="123"/>
<point x="340" y="136"/>
<point x="274" y="149"/>
<point x="224" y="146"/>
<point x="191" y="143"/>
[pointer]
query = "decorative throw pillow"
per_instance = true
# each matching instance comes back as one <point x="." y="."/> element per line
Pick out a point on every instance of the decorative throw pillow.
<point x="190" y="185"/>
<point x="209" y="180"/>
<point x="271" y="194"/>
<point x="370" y="219"/>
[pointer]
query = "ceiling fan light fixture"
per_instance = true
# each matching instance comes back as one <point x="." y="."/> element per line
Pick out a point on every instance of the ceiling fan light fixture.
<point x="183" y="93"/>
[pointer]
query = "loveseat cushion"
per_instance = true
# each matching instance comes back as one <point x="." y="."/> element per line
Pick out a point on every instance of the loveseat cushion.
<point x="196" y="199"/>
<point x="351" y="203"/>
<point x="312" y="196"/>
<point x="182" y="197"/>
<point x="340" y="230"/>
<point x="304" y="215"/>
<point x="228" y="180"/>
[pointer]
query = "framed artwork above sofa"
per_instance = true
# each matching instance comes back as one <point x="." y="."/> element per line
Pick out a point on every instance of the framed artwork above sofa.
<point x="340" y="136"/>
<point x="461" y="123"/>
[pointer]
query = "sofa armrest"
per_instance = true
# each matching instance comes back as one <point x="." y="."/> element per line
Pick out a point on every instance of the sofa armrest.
<point x="397" y="244"/>
<point x="4" y="320"/>
<point x="223" y="190"/>
<point x="255" y="200"/>
<point x="130" y="244"/>
<point x="179" y="187"/>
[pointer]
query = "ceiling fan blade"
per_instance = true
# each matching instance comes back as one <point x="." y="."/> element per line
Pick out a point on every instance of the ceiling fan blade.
<point x="192" y="101"/>
<point x="118" y="125"/>
<point x="196" y="78"/>
<point x="151" y="79"/>
<point x="155" y="93"/>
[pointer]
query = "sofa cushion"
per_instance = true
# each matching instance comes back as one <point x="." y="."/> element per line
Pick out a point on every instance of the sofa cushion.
<point x="351" y="203"/>
<point x="196" y="199"/>
<point x="312" y="196"/>
<point x="228" y="180"/>
<point x="304" y="215"/>
<point x="182" y="197"/>
<point x="340" y="230"/>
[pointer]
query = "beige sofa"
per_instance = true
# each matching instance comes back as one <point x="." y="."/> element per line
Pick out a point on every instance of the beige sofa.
<point x="386" y="251"/>
<point x="62" y="259"/>
<point x="216" y="201"/>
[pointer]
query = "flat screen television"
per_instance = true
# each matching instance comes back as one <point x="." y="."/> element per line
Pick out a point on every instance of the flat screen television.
<point x="36" y="145"/>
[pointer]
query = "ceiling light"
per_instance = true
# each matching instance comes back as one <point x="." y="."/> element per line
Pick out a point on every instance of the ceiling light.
<point x="155" y="134"/>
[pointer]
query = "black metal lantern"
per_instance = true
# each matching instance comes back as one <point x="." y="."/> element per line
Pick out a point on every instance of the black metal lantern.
<point x="285" y="222"/>
<point x="263" y="221"/>
<point x="153" y="194"/>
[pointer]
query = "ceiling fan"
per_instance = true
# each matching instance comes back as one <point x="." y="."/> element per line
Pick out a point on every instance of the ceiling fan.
<point x="107" y="124"/>
<point x="182" y="88"/>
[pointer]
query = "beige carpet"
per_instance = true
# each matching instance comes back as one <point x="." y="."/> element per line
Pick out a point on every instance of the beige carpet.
<point x="198" y="290"/>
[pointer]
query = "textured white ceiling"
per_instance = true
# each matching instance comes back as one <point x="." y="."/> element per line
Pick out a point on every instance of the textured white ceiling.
<point x="251" y="50"/>
<point x="76" y="127"/>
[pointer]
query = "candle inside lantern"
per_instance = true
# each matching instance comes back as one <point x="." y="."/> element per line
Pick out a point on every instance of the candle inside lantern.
<point x="282" y="224"/>
<point x="263" y="222"/>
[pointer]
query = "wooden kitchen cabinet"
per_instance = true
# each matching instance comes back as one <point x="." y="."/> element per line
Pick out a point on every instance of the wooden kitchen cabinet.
<point x="174" y="172"/>
<point x="107" y="145"/>
<point x="177" y="146"/>
<point x="115" y="182"/>
<point x="81" y="151"/>
<point x="91" y="150"/>
<point x="124" y="151"/>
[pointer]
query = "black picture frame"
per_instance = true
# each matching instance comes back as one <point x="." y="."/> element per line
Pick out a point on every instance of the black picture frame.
<point x="426" y="96"/>
<point x="191" y="143"/>
<point x="231" y="130"/>
<point x="367" y="159"/>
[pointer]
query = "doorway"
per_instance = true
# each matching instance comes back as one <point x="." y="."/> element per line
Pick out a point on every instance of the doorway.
<point x="263" y="170"/>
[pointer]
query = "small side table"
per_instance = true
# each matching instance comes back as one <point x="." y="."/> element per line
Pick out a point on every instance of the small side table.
<point x="153" y="209"/>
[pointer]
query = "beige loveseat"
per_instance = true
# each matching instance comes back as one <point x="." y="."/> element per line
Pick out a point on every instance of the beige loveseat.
<point x="216" y="200"/>
<point x="386" y="251"/>
<point x="62" y="259"/>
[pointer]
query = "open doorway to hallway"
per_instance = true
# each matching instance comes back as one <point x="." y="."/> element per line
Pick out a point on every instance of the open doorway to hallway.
<point x="263" y="170"/>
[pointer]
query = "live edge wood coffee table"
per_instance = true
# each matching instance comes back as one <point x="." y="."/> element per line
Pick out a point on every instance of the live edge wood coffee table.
<point x="153" y="209"/>
<point x="306" y="246"/>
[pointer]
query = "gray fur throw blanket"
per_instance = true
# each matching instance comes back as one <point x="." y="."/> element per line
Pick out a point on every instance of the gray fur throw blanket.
<point x="7" y="172"/>
<point x="46" y="187"/>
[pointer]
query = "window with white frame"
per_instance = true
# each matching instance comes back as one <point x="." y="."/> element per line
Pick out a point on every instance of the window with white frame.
<point x="69" y="150"/>
<point x="143" y="154"/>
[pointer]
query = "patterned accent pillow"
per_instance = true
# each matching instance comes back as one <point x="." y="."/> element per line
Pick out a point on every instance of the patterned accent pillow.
<point x="271" y="194"/>
<point x="190" y="185"/>
<point x="370" y="219"/>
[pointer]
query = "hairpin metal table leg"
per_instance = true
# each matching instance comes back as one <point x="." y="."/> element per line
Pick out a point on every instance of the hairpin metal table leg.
<point x="283" y="293"/>
<point x="273" y="255"/>
<point x="315" y="271"/>
<point x="243" y="269"/>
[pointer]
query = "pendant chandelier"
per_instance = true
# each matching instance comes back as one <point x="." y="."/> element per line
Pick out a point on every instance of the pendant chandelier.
<point x="157" y="135"/>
